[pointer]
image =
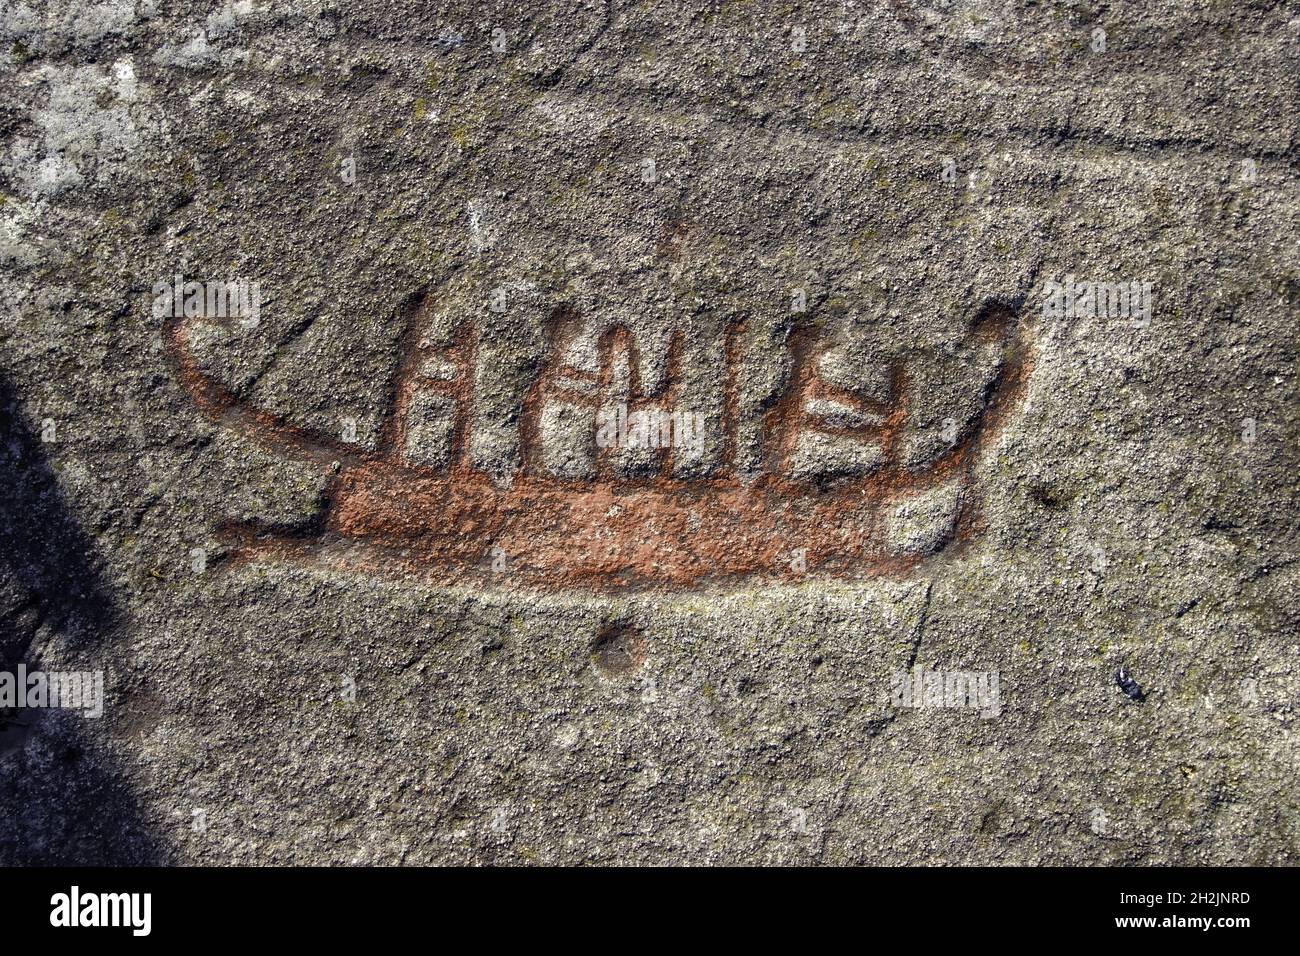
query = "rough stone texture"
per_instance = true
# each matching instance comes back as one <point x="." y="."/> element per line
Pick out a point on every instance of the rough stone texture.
<point x="664" y="168"/>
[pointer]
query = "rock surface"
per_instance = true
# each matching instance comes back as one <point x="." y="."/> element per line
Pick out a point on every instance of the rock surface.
<point x="831" y="230"/>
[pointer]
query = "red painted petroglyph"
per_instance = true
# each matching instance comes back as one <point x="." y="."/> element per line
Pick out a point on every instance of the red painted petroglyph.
<point x="385" y="513"/>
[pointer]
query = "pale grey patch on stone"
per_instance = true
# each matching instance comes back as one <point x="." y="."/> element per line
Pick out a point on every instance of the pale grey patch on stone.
<point x="702" y="392"/>
<point x="819" y="455"/>
<point x="86" y="129"/>
<point x="568" y="438"/>
<point x="948" y="393"/>
<point x="643" y="459"/>
<point x="583" y="353"/>
<point x="61" y="24"/>
<point x="509" y="354"/>
<point x="865" y="376"/>
<point x="439" y="369"/>
<point x="212" y="44"/>
<point x="228" y="17"/>
<point x="924" y="524"/>
<point x="701" y="457"/>
<point x="431" y="422"/>
<point x="18" y="227"/>
<point x="483" y="231"/>
<point x="839" y="415"/>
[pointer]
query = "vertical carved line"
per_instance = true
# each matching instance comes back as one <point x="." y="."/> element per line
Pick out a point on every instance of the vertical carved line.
<point x="732" y="351"/>
<point x="392" y="435"/>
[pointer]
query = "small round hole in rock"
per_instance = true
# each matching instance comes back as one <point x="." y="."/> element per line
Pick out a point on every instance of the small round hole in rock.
<point x="619" y="649"/>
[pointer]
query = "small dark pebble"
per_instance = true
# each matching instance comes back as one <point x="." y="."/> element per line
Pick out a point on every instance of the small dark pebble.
<point x="1128" y="685"/>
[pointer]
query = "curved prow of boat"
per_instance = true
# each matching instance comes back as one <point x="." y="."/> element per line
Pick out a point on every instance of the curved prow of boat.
<point x="223" y="406"/>
<point x="998" y="325"/>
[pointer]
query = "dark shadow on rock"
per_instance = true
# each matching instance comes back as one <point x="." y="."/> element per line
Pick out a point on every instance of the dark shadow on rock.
<point x="61" y="800"/>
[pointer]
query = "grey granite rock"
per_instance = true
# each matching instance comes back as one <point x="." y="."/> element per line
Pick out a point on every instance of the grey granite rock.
<point x="873" y="178"/>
